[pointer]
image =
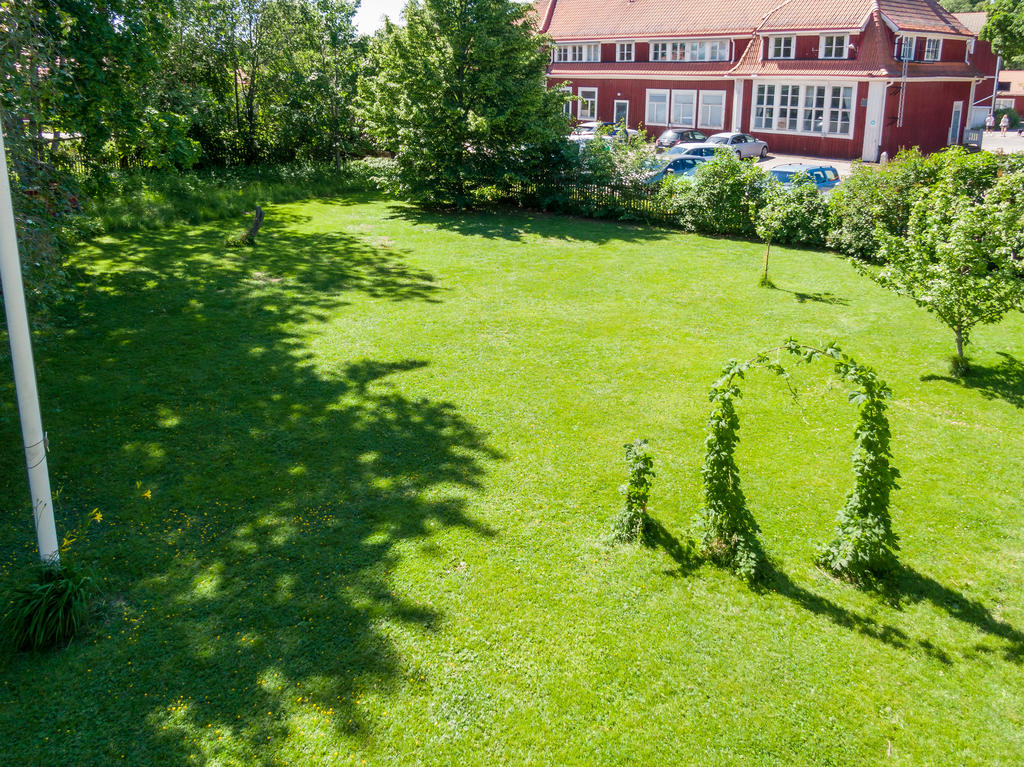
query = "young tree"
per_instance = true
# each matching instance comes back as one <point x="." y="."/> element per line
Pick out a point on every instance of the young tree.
<point x="960" y="258"/>
<point x="459" y="96"/>
<point x="795" y="215"/>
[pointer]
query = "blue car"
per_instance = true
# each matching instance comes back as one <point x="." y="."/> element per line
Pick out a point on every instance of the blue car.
<point x="825" y="177"/>
<point x="680" y="166"/>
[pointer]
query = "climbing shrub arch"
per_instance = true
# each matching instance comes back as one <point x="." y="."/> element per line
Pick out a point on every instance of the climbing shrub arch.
<point x="864" y="544"/>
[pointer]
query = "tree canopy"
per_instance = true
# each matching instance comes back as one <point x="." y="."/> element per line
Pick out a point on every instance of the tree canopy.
<point x="458" y="95"/>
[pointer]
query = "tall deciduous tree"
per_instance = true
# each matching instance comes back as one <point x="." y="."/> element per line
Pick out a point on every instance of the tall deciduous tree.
<point x="961" y="259"/>
<point x="458" y="94"/>
<point x="1004" y="28"/>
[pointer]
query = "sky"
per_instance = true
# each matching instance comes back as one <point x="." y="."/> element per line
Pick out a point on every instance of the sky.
<point x="371" y="13"/>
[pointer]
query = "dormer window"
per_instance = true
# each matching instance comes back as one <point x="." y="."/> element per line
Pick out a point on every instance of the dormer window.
<point x="624" y="51"/>
<point x="833" y="46"/>
<point x="907" y="46"/>
<point x="659" y="51"/>
<point x="781" y="47"/>
<point x="570" y="53"/>
<point x="933" y="49"/>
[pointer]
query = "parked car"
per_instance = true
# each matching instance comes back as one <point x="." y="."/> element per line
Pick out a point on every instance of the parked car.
<point x="743" y="144"/>
<point x="677" y="166"/>
<point x="825" y="177"/>
<point x="693" y="150"/>
<point x="674" y="136"/>
<point x="590" y="130"/>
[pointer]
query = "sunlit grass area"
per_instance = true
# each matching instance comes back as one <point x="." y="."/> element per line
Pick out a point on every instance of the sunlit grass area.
<point x="356" y="484"/>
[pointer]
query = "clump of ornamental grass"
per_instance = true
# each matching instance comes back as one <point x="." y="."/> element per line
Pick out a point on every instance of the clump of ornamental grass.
<point x="49" y="611"/>
<point x="632" y="521"/>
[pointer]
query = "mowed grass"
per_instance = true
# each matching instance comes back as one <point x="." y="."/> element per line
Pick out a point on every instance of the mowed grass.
<point x="356" y="481"/>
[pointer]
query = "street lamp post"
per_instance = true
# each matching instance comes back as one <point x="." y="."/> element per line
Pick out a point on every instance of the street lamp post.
<point x="25" y="372"/>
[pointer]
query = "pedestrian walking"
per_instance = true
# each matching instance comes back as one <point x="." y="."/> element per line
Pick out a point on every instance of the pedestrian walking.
<point x="1004" y="124"/>
<point x="990" y="122"/>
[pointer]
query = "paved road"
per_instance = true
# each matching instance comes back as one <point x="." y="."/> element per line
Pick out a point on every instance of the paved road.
<point x="995" y="142"/>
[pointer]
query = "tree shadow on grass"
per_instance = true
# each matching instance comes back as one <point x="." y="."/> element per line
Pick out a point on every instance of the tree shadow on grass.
<point x="657" y="536"/>
<point x="515" y="224"/>
<point x="1004" y="380"/>
<point x="255" y="501"/>
<point x="817" y="298"/>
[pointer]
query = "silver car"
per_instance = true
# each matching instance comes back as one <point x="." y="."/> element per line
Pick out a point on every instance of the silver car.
<point x="743" y="144"/>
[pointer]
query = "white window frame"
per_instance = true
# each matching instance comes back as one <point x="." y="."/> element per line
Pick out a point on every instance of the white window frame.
<point x="702" y="102"/>
<point x="902" y="44"/>
<point x="567" y="106"/>
<point x="571" y="53"/>
<point x="584" y="100"/>
<point x="615" y="105"/>
<point x="845" y="48"/>
<point x="929" y="53"/>
<point x="808" y="103"/>
<point x="677" y="98"/>
<point x="784" y="41"/>
<point x="659" y="51"/>
<point x="1003" y="103"/>
<point x="621" y="49"/>
<point x="649" y="118"/>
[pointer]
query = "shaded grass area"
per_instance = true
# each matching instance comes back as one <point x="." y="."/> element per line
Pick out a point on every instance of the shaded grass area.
<point x="138" y="200"/>
<point x="355" y="482"/>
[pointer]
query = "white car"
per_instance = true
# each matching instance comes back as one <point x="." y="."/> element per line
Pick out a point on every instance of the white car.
<point x="743" y="144"/>
<point x="694" y="150"/>
<point x="589" y="130"/>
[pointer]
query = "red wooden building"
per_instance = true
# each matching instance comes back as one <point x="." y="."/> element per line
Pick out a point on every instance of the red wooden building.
<point x="830" y="78"/>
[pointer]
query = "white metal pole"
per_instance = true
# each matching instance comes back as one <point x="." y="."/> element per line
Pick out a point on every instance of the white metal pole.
<point x="25" y="372"/>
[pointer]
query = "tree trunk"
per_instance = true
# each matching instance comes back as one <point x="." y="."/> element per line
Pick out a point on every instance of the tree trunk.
<point x="959" y="342"/>
<point x="767" y="252"/>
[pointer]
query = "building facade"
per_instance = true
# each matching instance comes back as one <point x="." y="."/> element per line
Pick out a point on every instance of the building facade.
<point x="829" y="78"/>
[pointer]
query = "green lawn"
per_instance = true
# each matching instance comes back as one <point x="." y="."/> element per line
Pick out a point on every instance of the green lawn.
<point x="382" y="452"/>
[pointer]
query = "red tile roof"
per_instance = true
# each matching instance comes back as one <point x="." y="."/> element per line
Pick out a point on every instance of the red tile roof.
<point x="625" y="19"/>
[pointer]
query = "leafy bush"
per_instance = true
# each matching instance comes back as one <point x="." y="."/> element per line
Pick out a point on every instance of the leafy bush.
<point x="50" y="611"/>
<point x="795" y="216"/>
<point x="632" y="520"/>
<point x="880" y="198"/>
<point x="723" y="197"/>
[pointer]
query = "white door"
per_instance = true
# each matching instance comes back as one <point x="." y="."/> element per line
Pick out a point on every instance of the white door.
<point x="956" y="122"/>
<point x="622" y="112"/>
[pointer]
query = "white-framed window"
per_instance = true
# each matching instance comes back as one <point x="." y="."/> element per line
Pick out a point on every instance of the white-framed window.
<point x="659" y="51"/>
<point x="933" y="49"/>
<point x="816" y="109"/>
<point x="567" y="106"/>
<point x="657" y="107"/>
<point x="906" y="48"/>
<point x="707" y="50"/>
<point x="1003" y="104"/>
<point x="620" y="112"/>
<point x="684" y="109"/>
<point x="588" y="103"/>
<point x="712" y="110"/>
<point x="571" y="53"/>
<point x="833" y="46"/>
<point x="624" y="51"/>
<point x="781" y="47"/>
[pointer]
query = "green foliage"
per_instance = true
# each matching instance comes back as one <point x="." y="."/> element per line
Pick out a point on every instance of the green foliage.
<point x="1004" y="28"/>
<point x="865" y="545"/>
<point x="726" y="530"/>
<point x="458" y="95"/>
<point x="723" y="197"/>
<point x="878" y="200"/>
<point x="50" y="611"/>
<point x="797" y="215"/>
<point x="961" y="257"/>
<point x="728" y="533"/>
<point x="631" y="523"/>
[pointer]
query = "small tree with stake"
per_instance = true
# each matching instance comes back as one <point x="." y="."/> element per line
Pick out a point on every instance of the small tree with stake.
<point x="960" y="258"/>
<point x="632" y="520"/>
<point x="795" y="215"/>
